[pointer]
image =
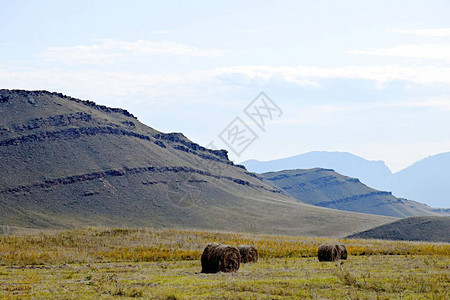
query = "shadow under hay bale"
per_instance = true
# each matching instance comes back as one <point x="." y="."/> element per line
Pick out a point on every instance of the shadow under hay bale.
<point x="248" y="254"/>
<point x="342" y="251"/>
<point x="328" y="253"/>
<point x="220" y="258"/>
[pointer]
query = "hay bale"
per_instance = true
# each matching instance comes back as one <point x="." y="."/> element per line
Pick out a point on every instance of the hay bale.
<point x="248" y="254"/>
<point x="342" y="251"/>
<point x="328" y="253"/>
<point x="220" y="258"/>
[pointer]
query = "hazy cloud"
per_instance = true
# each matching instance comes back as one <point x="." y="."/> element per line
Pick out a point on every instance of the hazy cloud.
<point x="438" y="32"/>
<point x="423" y="51"/>
<point x="109" y="51"/>
<point x="190" y="85"/>
<point x="309" y="75"/>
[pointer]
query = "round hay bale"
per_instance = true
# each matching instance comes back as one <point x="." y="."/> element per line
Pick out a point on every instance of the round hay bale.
<point x="328" y="253"/>
<point x="220" y="258"/>
<point x="342" y="251"/>
<point x="248" y="254"/>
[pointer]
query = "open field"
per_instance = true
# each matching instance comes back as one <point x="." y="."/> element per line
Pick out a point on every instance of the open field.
<point x="164" y="264"/>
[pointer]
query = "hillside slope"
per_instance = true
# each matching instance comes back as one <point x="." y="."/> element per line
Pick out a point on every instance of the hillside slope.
<point x="327" y="188"/>
<point x="370" y="172"/>
<point x="69" y="163"/>
<point x="429" y="229"/>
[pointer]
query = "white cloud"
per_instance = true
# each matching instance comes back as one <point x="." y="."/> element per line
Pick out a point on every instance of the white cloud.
<point x="323" y="114"/>
<point x="309" y="75"/>
<point x="422" y="51"/>
<point x="161" y="88"/>
<point x="443" y="104"/>
<point x="437" y="32"/>
<point x="192" y="85"/>
<point x="108" y="51"/>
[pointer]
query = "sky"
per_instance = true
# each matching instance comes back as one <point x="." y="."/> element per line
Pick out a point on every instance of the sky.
<point x="367" y="77"/>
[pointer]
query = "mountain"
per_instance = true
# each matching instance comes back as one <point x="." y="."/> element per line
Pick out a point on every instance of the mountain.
<point x="426" y="181"/>
<point x="427" y="229"/>
<point x="373" y="173"/>
<point x="68" y="163"/>
<point x="327" y="188"/>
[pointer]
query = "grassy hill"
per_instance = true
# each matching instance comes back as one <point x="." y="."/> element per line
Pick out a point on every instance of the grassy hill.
<point x="70" y="163"/>
<point x="327" y="188"/>
<point x="165" y="264"/>
<point x="432" y="229"/>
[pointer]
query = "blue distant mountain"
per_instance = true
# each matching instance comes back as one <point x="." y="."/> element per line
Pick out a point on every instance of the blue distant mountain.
<point x="427" y="181"/>
<point x="373" y="173"/>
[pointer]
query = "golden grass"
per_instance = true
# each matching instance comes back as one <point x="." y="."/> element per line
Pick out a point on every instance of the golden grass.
<point x="164" y="264"/>
<point x="147" y="245"/>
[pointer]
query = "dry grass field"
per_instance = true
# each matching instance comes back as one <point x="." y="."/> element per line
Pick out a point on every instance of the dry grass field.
<point x="164" y="264"/>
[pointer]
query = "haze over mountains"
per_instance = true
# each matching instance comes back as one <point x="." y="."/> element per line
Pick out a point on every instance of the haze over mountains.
<point x="69" y="163"/>
<point x="426" y="181"/>
<point x="326" y="188"/>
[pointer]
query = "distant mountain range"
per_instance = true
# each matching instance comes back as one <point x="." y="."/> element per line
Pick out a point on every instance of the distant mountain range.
<point x="327" y="188"/>
<point x="67" y="162"/>
<point x="427" y="229"/>
<point x="427" y="181"/>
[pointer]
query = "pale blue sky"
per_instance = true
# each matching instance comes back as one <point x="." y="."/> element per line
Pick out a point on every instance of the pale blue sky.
<point x="367" y="77"/>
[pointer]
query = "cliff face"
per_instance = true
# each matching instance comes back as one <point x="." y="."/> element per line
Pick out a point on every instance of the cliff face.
<point x="327" y="188"/>
<point x="66" y="162"/>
